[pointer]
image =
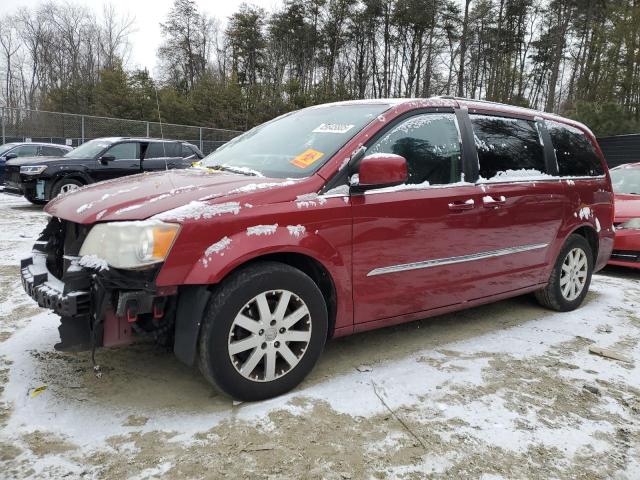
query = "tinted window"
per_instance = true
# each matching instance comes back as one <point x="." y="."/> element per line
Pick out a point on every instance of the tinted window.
<point x="124" y="151"/>
<point x="576" y="155"/>
<point x="430" y="144"/>
<point x="51" y="151"/>
<point x="162" y="150"/>
<point x="26" y="151"/>
<point x="507" y="144"/>
<point x="187" y="151"/>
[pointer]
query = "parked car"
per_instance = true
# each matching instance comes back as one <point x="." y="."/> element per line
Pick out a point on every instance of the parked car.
<point x="626" y="185"/>
<point x="324" y="222"/>
<point x="40" y="180"/>
<point x="12" y="150"/>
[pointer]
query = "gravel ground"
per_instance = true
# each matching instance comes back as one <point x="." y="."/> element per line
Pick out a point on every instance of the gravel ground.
<point x="507" y="390"/>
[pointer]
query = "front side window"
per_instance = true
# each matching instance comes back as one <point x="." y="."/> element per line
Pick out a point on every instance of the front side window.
<point x="187" y="151"/>
<point x="576" y="155"/>
<point x="297" y="144"/>
<point x="626" y="180"/>
<point x="431" y="145"/>
<point x="124" y="151"/>
<point x="507" y="144"/>
<point x="26" y="151"/>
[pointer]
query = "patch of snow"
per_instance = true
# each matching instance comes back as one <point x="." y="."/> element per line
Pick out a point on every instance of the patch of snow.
<point x="243" y="170"/>
<point x="252" y="187"/>
<point x="598" y="227"/>
<point x="262" y="230"/>
<point x="523" y="174"/>
<point x="339" y="191"/>
<point x="128" y="209"/>
<point x="344" y="163"/>
<point x="355" y="179"/>
<point x="218" y="248"/>
<point x="93" y="262"/>
<point x="196" y="210"/>
<point x="296" y="230"/>
<point x="248" y="205"/>
<point x="84" y="207"/>
<point x="585" y="213"/>
<point x="101" y="214"/>
<point x="309" y="200"/>
<point x="415" y="186"/>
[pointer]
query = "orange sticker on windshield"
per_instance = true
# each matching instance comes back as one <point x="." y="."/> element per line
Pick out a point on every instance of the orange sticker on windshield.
<point x="307" y="158"/>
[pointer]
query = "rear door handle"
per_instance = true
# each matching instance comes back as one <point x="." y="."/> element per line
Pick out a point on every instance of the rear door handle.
<point x="493" y="202"/>
<point x="459" y="206"/>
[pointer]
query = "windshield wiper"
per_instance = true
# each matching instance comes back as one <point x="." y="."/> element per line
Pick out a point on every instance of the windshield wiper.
<point x="240" y="170"/>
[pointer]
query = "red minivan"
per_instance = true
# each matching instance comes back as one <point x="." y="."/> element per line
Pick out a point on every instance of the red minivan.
<point x="327" y="221"/>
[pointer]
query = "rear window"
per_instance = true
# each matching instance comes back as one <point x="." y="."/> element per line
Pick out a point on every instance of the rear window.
<point x="576" y="155"/>
<point x="507" y="144"/>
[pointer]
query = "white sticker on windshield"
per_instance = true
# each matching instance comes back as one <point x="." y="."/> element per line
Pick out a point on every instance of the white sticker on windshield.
<point x="333" y="128"/>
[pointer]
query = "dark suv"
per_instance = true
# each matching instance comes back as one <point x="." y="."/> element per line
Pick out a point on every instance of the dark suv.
<point x="12" y="150"/>
<point x="40" y="180"/>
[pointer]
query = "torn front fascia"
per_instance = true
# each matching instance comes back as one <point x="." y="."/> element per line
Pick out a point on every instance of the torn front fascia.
<point x="80" y="295"/>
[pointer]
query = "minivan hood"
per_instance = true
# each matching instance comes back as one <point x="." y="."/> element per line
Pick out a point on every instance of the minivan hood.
<point x="138" y="197"/>
<point x="626" y="207"/>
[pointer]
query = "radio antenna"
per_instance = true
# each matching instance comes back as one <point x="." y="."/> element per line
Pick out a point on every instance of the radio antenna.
<point x="164" y="148"/>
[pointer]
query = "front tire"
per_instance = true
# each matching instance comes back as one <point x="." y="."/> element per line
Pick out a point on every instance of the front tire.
<point x="66" y="185"/>
<point x="570" y="278"/>
<point x="263" y="331"/>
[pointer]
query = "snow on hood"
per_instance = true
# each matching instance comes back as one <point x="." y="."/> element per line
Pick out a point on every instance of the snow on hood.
<point x="142" y="196"/>
<point x="626" y="207"/>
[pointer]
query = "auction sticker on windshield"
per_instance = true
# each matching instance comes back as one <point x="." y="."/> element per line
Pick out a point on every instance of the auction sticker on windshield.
<point x="333" y="128"/>
<point x="307" y="158"/>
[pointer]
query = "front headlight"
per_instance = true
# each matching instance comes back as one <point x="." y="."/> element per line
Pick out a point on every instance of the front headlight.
<point x="130" y="245"/>
<point x="634" y="224"/>
<point x="33" y="169"/>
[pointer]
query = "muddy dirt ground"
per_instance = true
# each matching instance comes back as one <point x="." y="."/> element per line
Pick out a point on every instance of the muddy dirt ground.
<point x="508" y="390"/>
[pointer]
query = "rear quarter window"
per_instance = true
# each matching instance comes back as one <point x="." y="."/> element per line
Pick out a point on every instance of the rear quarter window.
<point x="507" y="144"/>
<point x="576" y="155"/>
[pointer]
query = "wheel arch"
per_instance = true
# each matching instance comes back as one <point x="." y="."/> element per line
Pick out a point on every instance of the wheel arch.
<point x="590" y="234"/>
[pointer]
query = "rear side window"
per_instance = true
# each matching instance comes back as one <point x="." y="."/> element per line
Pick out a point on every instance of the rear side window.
<point x="507" y="144"/>
<point x="187" y="151"/>
<point x="431" y="145"/>
<point x="161" y="150"/>
<point x="51" y="151"/>
<point x="576" y="155"/>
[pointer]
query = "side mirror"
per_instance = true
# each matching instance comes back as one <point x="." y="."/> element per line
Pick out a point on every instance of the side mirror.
<point x="11" y="156"/>
<point x="381" y="170"/>
<point x="106" y="159"/>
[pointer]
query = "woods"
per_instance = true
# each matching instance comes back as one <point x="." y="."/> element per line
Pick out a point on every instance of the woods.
<point x="580" y="58"/>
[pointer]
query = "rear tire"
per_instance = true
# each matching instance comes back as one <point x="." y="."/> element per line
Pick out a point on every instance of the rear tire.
<point x="571" y="276"/>
<point x="263" y="331"/>
<point x="65" y="185"/>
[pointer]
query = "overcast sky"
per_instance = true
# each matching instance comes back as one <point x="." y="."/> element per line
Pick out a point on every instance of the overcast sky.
<point x="148" y="14"/>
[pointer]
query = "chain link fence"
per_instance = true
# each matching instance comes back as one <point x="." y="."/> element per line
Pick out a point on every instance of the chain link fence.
<point x="24" y="125"/>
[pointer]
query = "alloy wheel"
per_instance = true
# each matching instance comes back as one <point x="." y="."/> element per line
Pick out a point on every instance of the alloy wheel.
<point x="269" y="335"/>
<point x="574" y="274"/>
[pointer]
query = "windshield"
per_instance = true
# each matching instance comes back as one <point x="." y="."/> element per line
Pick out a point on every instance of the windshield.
<point x="7" y="146"/>
<point x="626" y="180"/>
<point x="89" y="149"/>
<point x="294" y="145"/>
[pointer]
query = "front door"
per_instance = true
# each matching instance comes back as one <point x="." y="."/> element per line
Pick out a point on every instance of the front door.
<point x="125" y="161"/>
<point x="411" y="242"/>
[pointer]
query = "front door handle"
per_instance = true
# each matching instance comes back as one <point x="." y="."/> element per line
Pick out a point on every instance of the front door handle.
<point x="492" y="202"/>
<point x="459" y="206"/>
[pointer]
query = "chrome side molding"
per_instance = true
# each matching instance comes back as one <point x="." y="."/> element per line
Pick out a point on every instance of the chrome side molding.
<point x="451" y="260"/>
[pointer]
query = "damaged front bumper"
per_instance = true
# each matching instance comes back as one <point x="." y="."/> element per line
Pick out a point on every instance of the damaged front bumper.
<point x="101" y="307"/>
<point x="70" y="298"/>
